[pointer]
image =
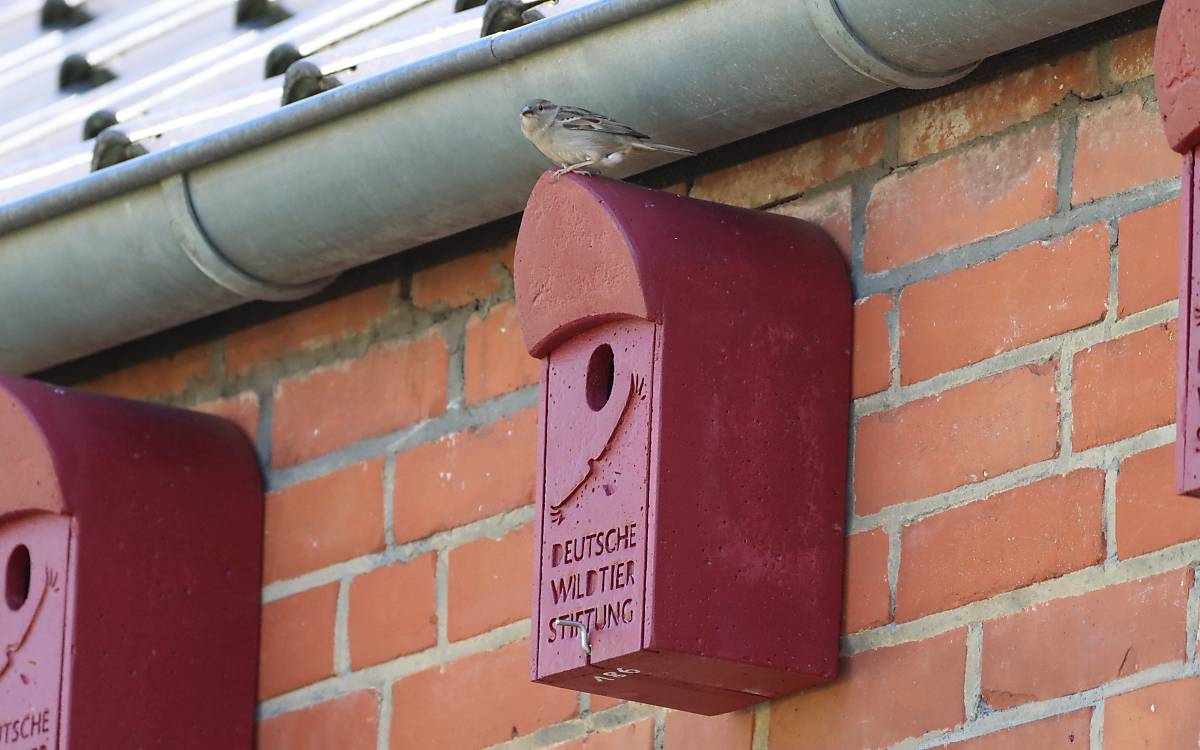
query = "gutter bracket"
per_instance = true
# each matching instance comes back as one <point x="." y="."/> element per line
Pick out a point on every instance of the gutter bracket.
<point x="830" y="22"/>
<point x="186" y="227"/>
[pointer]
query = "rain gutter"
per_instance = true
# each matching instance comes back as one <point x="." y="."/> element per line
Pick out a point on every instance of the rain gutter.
<point x="273" y="208"/>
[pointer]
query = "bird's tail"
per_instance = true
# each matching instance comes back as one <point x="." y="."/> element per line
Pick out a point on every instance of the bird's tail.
<point x="664" y="148"/>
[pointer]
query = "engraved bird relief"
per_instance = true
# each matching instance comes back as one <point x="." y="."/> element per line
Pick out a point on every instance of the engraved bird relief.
<point x="609" y="419"/>
<point x="12" y="648"/>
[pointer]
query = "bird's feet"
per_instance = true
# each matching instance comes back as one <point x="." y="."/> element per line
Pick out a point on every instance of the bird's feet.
<point x="568" y="170"/>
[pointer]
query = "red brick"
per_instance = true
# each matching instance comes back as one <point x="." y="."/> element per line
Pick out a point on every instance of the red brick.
<point x="489" y="583"/>
<point x="347" y="723"/>
<point x="793" y="170"/>
<point x="871" y="366"/>
<point x="296" y="641"/>
<point x="693" y="732"/>
<point x="1148" y="248"/>
<point x="496" y="358"/>
<point x="603" y="703"/>
<point x="995" y="186"/>
<point x="394" y="385"/>
<point x="959" y="436"/>
<point x="462" y="280"/>
<point x="881" y="697"/>
<point x="990" y="107"/>
<point x="1061" y="732"/>
<point x="1132" y="56"/>
<point x="1150" y="515"/>
<point x="324" y="521"/>
<point x="157" y="377"/>
<point x="392" y="612"/>
<point x="829" y="210"/>
<point x="1001" y="543"/>
<point x="465" y="477"/>
<point x="307" y="329"/>
<point x="639" y="736"/>
<point x="475" y="702"/>
<point x="868" y="598"/>
<point x="1069" y="645"/>
<point x="241" y="409"/>
<point x="1039" y="290"/>
<point x="1119" y="146"/>
<point x="1125" y="386"/>
<point x="1159" y="716"/>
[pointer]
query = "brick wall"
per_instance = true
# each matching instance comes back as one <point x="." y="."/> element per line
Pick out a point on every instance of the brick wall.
<point x="1020" y="572"/>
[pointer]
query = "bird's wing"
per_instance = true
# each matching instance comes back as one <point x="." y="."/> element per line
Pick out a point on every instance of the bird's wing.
<point x="578" y="118"/>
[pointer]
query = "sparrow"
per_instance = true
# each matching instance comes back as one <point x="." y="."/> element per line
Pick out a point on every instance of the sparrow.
<point x="575" y="138"/>
<point x="506" y="15"/>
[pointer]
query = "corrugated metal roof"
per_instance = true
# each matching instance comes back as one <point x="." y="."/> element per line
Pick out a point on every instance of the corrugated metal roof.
<point x="145" y="75"/>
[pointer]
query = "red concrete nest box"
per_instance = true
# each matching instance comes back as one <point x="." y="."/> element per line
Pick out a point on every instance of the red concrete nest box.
<point x="692" y="445"/>
<point x="1177" y="83"/>
<point x="131" y="540"/>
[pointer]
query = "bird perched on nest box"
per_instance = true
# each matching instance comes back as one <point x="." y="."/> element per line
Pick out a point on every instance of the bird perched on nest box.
<point x="506" y="15"/>
<point x="577" y="139"/>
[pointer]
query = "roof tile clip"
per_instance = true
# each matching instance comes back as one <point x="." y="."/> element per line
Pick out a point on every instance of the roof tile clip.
<point x="64" y="14"/>
<point x="113" y="146"/>
<point x="259" y="14"/>
<point x="77" y="73"/>
<point x="304" y="79"/>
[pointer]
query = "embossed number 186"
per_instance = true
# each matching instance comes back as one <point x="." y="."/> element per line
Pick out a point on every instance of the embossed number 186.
<point x="609" y="676"/>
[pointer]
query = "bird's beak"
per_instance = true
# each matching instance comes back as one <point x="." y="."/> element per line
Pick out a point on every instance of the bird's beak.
<point x="526" y="111"/>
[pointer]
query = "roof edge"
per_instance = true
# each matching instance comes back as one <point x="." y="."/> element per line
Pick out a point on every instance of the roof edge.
<point x="315" y="111"/>
<point x="432" y="148"/>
